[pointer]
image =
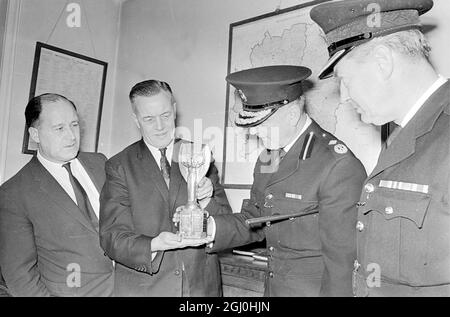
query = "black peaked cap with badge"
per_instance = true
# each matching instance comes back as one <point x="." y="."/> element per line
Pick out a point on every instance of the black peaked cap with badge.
<point x="263" y="90"/>
<point x="349" y="23"/>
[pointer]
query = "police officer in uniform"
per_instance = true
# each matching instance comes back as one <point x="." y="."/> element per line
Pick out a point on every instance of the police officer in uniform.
<point x="381" y="58"/>
<point x="304" y="169"/>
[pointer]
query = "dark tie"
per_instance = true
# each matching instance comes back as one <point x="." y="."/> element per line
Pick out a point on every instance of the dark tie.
<point x="82" y="198"/>
<point x="390" y="138"/>
<point x="165" y="166"/>
<point x="393" y="135"/>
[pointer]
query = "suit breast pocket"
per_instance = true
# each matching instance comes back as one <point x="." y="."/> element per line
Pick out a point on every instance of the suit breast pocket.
<point x="398" y="239"/>
<point x="302" y="231"/>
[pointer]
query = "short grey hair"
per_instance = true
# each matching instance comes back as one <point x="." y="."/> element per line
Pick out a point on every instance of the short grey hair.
<point x="411" y="43"/>
<point x="149" y="88"/>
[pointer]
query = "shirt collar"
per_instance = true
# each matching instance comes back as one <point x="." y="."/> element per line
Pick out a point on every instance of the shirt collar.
<point x="421" y="101"/>
<point x="157" y="153"/>
<point x="305" y="126"/>
<point x="49" y="165"/>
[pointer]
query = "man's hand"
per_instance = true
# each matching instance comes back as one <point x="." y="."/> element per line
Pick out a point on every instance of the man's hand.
<point x="169" y="241"/>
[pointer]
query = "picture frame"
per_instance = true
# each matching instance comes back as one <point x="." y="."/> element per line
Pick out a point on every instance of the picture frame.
<point x="77" y="77"/>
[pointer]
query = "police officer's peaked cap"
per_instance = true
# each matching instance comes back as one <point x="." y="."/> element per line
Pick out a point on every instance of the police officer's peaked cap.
<point x="264" y="90"/>
<point x="349" y="23"/>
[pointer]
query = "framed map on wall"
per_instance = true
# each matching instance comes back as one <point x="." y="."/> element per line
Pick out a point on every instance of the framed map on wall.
<point x="79" y="78"/>
<point x="288" y="37"/>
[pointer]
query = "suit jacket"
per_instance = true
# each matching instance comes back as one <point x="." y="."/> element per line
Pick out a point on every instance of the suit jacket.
<point x="45" y="238"/>
<point x="135" y="207"/>
<point x="311" y="255"/>
<point x="404" y="210"/>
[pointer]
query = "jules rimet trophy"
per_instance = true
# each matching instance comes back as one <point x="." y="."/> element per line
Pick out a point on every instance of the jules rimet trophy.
<point x="194" y="161"/>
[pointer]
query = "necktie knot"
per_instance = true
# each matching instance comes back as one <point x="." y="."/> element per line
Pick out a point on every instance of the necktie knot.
<point x="67" y="167"/>
<point x="163" y="151"/>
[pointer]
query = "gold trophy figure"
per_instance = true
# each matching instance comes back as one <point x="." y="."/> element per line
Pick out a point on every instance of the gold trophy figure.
<point x="194" y="163"/>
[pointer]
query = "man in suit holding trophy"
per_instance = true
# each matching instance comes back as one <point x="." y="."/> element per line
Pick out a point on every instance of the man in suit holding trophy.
<point x="144" y="187"/>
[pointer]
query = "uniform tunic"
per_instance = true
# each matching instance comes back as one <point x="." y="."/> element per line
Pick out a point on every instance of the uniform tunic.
<point x="403" y="224"/>
<point x="310" y="255"/>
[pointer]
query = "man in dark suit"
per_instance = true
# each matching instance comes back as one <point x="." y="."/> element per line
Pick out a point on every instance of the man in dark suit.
<point x="140" y="196"/>
<point x="49" y="244"/>
<point x="404" y="213"/>
<point x="304" y="169"/>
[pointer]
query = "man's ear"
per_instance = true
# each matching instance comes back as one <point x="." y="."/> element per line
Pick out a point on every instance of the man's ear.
<point x="294" y="114"/>
<point x="34" y="134"/>
<point x="384" y="59"/>
<point x="174" y="110"/>
<point x="135" y="119"/>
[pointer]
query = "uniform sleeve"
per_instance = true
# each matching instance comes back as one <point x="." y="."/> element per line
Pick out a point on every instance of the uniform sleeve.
<point x="117" y="232"/>
<point x="18" y="253"/>
<point x="339" y="194"/>
<point x="231" y="230"/>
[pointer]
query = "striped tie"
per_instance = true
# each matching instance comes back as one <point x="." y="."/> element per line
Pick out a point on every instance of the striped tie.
<point x="165" y="166"/>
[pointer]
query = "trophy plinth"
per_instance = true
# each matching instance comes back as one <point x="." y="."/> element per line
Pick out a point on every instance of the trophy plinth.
<point x="194" y="163"/>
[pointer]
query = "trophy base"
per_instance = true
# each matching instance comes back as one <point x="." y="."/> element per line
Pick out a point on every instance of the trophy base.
<point x="196" y="237"/>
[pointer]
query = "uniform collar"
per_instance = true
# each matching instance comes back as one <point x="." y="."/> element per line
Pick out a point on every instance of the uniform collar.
<point x="421" y="101"/>
<point x="305" y="126"/>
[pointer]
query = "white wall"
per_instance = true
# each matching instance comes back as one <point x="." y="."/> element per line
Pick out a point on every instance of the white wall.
<point x="45" y="21"/>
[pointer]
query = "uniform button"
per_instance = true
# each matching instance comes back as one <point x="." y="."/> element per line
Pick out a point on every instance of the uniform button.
<point x="369" y="188"/>
<point x="270" y="196"/>
<point x="271" y="249"/>
<point x="271" y="274"/>
<point x="177" y="272"/>
<point x="389" y="210"/>
<point x="360" y="226"/>
<point x="361" y="204"/>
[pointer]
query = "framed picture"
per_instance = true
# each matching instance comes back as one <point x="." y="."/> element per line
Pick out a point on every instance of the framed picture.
<point x="78" y="78"/>
<point x="288" y="37"/>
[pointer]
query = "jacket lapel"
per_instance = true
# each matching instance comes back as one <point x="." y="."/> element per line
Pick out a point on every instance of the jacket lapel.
<point x="92" y="173"/>
<point x="54" y="192"/>
<point x="404" y="145"/>
<point x="151" y="169"/>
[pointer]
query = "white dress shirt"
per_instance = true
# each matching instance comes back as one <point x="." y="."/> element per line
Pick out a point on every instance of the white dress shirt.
<point x="421" y="101"/>
<point x="157" y="153"/>
<point x="62" y="177"/>
<point x="157" y="156"/>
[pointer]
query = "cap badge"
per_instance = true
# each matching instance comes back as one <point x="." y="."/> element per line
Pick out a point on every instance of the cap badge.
<point x="340" y="149"/>
<point x="242" y="95"/>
